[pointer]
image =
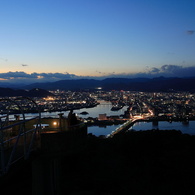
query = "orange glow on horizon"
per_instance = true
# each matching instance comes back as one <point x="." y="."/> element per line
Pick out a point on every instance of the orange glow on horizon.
<point x="40" y="77"/>
<point x="1" y="79"/>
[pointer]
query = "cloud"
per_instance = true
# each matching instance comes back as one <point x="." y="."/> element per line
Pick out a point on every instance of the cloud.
<point x="20" y="76"/>
<point x="171" y="71"/>
<point x="98" y="72"/>
<point x="165" y="70"/>
<point x="190" y="32"/>
<point x="17" y="74"/>
<point x="4" y="59"/>
<point x="154" y="70"/>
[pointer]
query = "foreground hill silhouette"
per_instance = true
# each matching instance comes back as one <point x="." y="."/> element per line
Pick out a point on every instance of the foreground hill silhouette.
<point x="148" y="162"/>
<point x="8" y="92"/>
<point x="145" y="162"/>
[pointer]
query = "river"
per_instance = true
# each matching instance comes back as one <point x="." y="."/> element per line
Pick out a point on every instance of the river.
<point x="105" y="108"/>
<point x="188" y="128"/>
<point x="141" y="126"/>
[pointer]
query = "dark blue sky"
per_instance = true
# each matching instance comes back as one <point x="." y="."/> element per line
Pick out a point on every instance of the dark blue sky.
<point x="96" y="37"/>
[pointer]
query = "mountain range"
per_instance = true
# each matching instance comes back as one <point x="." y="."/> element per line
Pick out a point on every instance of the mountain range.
<point x="8" y="92"/>
<point x="160" y="84"/>
<point x="138" y="84"/>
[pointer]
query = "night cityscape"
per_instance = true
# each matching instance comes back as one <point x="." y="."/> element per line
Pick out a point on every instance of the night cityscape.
<point x="67" y="135"/>
<point x="167" y="106"/>
<point x="97" y="97"/>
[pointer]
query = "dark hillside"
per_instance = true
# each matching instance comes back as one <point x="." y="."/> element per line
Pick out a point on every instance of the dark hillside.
<point x="145" y="162"/>
<point x="7" y="92"/>
<point x="148" y="162"/>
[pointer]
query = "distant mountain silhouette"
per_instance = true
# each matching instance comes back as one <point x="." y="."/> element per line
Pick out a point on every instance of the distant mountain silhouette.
<point x="79" y="84"/>
<point x="138" y="84"/>
<point x="12" y="85"/>
<point x="7" y="92"/>
<point x="159" y="84"/>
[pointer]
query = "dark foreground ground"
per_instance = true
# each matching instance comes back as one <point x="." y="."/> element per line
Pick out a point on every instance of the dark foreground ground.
<point x="147" y="162"/>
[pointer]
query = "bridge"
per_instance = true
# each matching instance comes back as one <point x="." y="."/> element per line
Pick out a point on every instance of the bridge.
<point x="125" y="126"/>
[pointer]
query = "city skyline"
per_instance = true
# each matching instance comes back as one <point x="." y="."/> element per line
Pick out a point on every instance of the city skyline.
<point x="45" y="40"/>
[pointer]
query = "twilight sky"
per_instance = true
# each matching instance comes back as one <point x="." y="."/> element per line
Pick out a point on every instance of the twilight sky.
<point x="76" y="38"/>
